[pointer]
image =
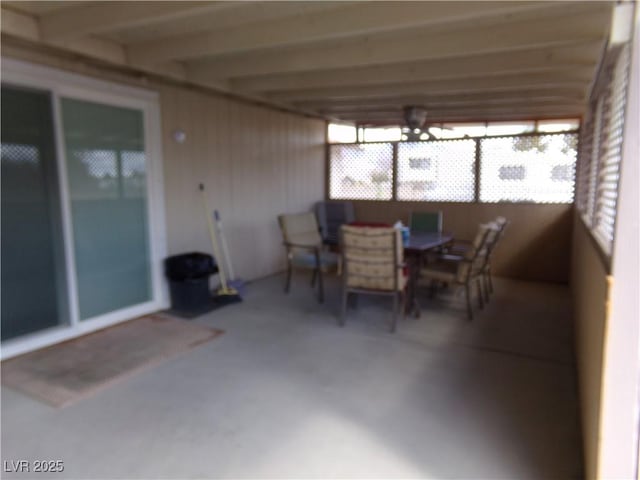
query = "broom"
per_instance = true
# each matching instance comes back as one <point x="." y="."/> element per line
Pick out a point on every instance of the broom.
<point x="232" y="281"/>
<point x="225" y="294"/>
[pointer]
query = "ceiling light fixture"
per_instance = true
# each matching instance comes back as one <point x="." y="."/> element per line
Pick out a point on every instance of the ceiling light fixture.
<point x="415" y="118"/>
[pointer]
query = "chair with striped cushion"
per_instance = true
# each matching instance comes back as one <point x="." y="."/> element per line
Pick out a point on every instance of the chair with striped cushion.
<point x="502" y="224"/>
<point x="463" y="271"/>
<point x="461" y="248"/>
<point x="372" y="263"/>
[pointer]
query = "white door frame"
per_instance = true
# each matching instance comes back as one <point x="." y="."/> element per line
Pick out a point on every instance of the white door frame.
<point x="69" y="85"/>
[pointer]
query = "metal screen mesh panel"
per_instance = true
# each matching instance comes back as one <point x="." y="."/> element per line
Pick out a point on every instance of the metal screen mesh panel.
<point x="133" y="173"/>
<point x="361" y="172"/>
<point x="20" y="154"/>
<point x="608" y="171"/>
<point x="599" y="142"/>
<point x="528" y="168"/>
<point x="95" y="172"/>
<point x="108" y="173"/>
<point x="436" y="171"/>
<point x="585" y="153"/>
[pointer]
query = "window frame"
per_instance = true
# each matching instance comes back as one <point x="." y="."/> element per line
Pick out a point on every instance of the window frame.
<point x="478" y="160"/>
<point x="594" y="155"/>
<point x="62" y="84"/>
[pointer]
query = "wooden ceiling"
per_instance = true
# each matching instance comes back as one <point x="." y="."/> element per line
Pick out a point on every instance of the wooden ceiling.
<point x="353" y="61"/>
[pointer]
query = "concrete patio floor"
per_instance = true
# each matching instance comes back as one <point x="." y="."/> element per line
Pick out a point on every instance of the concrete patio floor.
<point x="287" y="393"/>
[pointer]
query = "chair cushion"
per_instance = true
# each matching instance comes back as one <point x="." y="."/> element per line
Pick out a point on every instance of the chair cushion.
<point x="371" y="257"/>
<point x="441" y="271"/>
<point x="300" y="228"/>
<point x="308" y="259"/>
<point x="364" y="272"/>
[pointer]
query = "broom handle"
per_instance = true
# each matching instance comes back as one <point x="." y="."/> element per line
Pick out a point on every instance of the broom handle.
<point x="214" y="240"/>
<point x="223" y="243"/>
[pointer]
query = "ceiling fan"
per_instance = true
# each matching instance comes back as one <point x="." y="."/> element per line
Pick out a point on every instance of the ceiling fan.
<point x="416" y="126"/>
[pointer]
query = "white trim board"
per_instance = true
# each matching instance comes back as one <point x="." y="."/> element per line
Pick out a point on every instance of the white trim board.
<point x="64" y="84"/>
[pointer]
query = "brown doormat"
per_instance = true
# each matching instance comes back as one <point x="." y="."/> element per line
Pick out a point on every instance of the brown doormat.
<point x="65" y="373"/>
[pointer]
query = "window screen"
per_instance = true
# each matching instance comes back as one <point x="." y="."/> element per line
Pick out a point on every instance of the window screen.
<point x="601" y="149"/>
<point x="436" y="171"/>
<point x="361" y="172"/>
<point x="528" y="168"/>
<point x="608" y="170"/>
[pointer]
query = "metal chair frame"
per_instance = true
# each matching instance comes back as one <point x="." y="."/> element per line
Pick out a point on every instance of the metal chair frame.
<point x="476" y="264"/>
<point x="291" y="248"/>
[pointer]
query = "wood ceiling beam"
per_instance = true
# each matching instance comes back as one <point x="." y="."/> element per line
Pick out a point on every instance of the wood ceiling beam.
<point x="567" y="78"/>
<point x="100" y="17"/>
<point x="426" y="100"/>
<point x="470" y="118"/>
<point x="244" y="14"/>
<point x="536" y="60"/>
<point x="396" y="107"/>
<point x="506" y="113"/>
<point x="347" y="21"/>
<point x="419" y="45"/>
<point x="465" y="109"/>
<point x="19" y="25"/>
<point x="26" y="27"/>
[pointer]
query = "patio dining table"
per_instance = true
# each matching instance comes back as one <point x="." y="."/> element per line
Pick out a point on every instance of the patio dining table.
<point x="415" y="250"/>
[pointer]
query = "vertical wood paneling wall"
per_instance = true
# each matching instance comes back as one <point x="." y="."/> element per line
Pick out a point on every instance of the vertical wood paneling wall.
<point x="256" y="163"/>
<point x="590" y="290"/>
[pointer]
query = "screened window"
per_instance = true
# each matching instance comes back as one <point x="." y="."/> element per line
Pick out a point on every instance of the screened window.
<point x="512" y="172"/>
<point x="601" y="148"/>
<point x="470" y="163"/>
<point x="420" y="163"/>
<point x="363" y="171"/>
<point x="521" y="168"/>
<point x="436" y="171"/>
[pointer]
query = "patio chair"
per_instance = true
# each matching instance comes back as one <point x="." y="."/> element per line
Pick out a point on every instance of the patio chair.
<point x="461" y="247"/>
<point x="462" y="271"/>
<point x="332" y="215"/>
<point x="502" y="224"/>
<point x="303" y="244"/>
<point x="372" y="262"/>
<point x="425" y="222"/>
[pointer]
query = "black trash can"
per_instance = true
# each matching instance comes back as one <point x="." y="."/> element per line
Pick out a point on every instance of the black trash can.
<point x="188" y="276"/>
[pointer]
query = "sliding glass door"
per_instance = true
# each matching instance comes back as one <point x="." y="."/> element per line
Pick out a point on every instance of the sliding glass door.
<point x="34" y="280"/>
<point x="82" y="209"/>
<point x="105" y="161"/>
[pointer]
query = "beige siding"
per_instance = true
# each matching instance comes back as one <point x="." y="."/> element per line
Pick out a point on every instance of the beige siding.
<point x="589" y="289"/>
<point x="256" y="163"/>
<point x="536" y="245"/>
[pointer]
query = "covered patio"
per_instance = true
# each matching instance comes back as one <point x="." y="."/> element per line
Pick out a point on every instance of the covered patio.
<point x="285" y="392"/>
<point x="134" y="132"/>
